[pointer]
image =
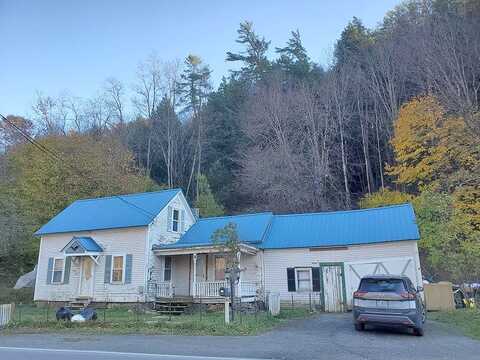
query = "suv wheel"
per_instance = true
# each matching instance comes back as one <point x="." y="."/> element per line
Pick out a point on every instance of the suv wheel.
<point x="359" y="326"/>
<point x="418" y="331"/>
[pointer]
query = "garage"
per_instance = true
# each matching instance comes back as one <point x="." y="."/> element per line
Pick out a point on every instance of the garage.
<point x="340" y="247"/>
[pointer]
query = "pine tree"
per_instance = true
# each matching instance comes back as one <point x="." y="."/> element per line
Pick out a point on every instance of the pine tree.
<point x="294" y="58"/>
<point x="206" y="202"/>
<point x="254" y="57"/>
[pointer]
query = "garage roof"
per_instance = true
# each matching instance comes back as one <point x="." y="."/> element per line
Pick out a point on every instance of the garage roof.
<point x="341" y="228"/>
<point x="118" y="211"/>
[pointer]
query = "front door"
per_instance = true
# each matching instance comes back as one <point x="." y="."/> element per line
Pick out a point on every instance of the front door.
<point x="86" y="277"/>
<point x="333" y="287"/>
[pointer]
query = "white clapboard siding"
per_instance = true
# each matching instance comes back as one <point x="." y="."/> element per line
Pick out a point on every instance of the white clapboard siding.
<point x="276" y="263"/>
<point x="114" y="242"/>
<point x="6" y="312"/>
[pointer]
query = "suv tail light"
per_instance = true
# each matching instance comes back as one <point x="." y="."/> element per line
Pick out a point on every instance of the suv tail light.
<point x="407" y="295"/>
<point x="359" y="294"/>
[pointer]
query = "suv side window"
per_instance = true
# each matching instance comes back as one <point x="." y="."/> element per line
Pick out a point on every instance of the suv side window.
<point x="410" y="287"/>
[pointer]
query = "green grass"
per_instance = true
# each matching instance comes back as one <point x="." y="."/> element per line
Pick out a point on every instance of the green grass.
<point x="466" y="320"/>
<point x="31" y="319"/>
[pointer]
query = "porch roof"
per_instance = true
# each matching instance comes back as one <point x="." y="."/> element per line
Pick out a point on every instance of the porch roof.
<point x="82" y="244"/>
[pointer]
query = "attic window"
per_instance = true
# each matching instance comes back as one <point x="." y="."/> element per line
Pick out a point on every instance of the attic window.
<point x="175" y="220"/>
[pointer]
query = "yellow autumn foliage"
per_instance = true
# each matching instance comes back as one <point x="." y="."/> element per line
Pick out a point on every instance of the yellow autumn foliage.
<point x="429" y="144"/>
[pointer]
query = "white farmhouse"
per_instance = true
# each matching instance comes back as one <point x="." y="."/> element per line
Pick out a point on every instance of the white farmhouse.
<point x="150" y="247"/>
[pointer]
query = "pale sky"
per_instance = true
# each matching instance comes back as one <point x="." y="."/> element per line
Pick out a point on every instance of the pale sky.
<point x="56" y="45"/>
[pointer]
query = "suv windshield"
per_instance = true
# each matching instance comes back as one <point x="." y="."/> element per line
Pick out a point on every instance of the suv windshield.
<point x="382" y="285"/>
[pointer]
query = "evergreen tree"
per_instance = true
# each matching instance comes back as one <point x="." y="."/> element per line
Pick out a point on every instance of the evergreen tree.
<point x="254" y="57"/>
<point x="195" y="84"/>
<point x="194" y="89"/>
<point x="206" y="202"/>
<point x="294" y="58"/>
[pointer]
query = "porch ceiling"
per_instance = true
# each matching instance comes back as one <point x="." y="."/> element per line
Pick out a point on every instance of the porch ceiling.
<point x="208" y="249"/>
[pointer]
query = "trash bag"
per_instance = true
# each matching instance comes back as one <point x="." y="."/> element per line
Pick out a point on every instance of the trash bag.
<point x="78" y="318"/>
<point x="64" y="314"/>
<point x="89" y="314"/>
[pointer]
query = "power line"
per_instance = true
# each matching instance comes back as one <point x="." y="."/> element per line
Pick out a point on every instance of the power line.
<point x="57" y="157"/>
<point x="29" y="138"/>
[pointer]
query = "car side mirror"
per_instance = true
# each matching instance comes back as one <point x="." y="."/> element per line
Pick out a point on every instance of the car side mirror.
<point x="420" y="289"/>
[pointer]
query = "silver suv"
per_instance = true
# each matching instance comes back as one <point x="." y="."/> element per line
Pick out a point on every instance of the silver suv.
<point x="388" y="300"/>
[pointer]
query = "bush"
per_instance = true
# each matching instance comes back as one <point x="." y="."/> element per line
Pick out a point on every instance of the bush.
<point x="9" y="295"/>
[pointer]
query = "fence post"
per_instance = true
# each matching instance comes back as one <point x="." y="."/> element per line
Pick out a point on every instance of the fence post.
<point x="292" y="301"/>
<point x="46" y="311"/>
<point x="310" y="300"/>
<point x="227" y="312"/>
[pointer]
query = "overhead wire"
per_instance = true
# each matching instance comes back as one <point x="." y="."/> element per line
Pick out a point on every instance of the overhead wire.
<point x="55" y="156"/>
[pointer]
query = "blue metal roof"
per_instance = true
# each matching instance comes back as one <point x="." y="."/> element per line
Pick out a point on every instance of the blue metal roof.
<point x="88" y="243"/>
<point x="250" y="228"/>
<point x="340" y="228"/>
<point x="109" y="212"/>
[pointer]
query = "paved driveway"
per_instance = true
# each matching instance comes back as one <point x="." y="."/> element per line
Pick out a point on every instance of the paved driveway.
<point x="327" y="336"/>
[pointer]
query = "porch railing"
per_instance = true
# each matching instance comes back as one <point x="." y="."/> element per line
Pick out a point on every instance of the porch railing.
<point x="209" y="288"/>
<point x="160" y="289"/>
<point x="248" y="289"/>
<point x="212" y="288"/>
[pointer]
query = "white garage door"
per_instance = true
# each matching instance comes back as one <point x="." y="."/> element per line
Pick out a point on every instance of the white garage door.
<point x="394" y="266"/>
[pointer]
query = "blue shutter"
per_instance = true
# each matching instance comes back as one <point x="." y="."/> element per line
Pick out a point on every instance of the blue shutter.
<point x="128" y="269"/>
<point x="291" y="279"/>
<point x="316" y="279"/>
<point x="108" y="268"/>
<point x="68" y="265"/>
<point x="49" y="270"/>
<point x="169" y="218"/>
<point x="182" y="221"/>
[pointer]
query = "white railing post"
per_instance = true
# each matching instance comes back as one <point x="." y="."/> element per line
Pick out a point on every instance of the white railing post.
<point x="194" y="286"/>
<point x="239" y="286"/>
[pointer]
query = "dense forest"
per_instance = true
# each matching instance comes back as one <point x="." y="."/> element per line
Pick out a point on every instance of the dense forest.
<point x="395" y="117"/>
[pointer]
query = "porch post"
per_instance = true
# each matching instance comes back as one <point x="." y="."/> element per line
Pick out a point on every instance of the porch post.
<point x="194" y="275"/>
<point x="239" y="288"/>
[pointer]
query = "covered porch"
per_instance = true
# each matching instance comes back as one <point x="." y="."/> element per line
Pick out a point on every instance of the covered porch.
<point x="198" y="274"/>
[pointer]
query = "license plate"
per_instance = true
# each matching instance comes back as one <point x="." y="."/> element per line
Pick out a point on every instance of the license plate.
<point x="381" y="304"/>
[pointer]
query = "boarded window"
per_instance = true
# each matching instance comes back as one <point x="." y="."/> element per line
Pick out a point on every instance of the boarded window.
<point x="58" y="266"/>
<point x="117" y="269"/>
<point x="219" y="268"/>
<point x="175" y="220"/>
<point x="304" y="281"/>
<point x="167" y="270"/>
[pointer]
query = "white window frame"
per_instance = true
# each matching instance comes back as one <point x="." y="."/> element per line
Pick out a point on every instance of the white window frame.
<point x="124" y="256"/>
<point x="53" y="271"/>
<point x="310" y="288"/>
<point x="177" y="221"/>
